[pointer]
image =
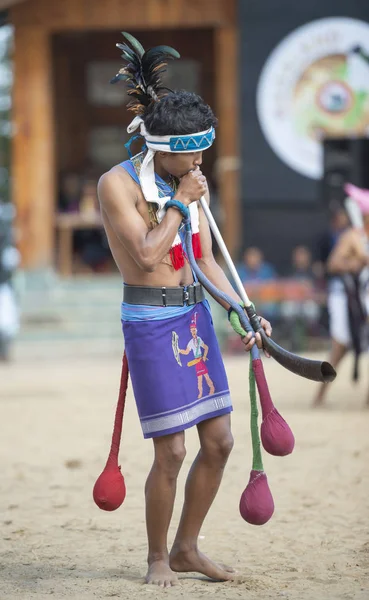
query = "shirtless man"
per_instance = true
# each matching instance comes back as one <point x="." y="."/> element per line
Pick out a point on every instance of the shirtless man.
<point x="349" y="256"/>
<point x="160" y="298"/>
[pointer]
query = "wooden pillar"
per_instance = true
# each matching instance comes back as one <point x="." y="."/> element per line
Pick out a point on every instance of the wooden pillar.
<point x="227" y="109"/>
<point x="33" y="145"/>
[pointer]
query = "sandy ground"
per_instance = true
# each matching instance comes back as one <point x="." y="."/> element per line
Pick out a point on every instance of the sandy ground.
<point x="56" y="422"/>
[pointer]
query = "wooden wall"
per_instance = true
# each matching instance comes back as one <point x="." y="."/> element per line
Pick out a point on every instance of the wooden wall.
<point x="75" y="116"/>
<point x="33" y="166"/>
<point x="136" y="14"/>
<point x="43" y="74"/>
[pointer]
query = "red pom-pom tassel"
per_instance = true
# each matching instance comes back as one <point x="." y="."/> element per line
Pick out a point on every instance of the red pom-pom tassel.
<point x="177" y="257"/>
<point x="110" y="489"/>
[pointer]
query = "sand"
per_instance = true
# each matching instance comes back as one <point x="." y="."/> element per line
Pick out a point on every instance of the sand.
<point x="56" y="418"/>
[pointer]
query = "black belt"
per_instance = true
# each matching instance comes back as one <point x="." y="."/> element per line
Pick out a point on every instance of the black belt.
<point x="164" y="296"/>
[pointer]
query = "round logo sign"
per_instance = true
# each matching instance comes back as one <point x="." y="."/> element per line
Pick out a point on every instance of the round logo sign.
<point x="315" y="84"/>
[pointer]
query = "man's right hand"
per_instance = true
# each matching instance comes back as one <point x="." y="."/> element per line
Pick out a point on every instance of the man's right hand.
<point x="192" y="186"/>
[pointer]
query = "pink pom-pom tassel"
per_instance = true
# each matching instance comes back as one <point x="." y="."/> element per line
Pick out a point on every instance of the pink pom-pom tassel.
<point x="256" y="503"/>
<point x="276" y="435"/>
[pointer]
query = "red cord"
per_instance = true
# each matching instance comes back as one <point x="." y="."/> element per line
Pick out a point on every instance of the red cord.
<point x="118" y="421"/>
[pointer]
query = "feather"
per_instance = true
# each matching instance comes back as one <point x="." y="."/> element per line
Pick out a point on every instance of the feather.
<point x="143" y="72"/>
<point x="128" y="54"/>
<point x="163" y="50"/>
<point x="118" y="77"/>
<point x="128" y="57"/>
<point x="134" y="43"/>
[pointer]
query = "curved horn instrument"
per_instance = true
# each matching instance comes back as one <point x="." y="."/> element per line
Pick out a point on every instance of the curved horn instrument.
<point x="315" y="370"/>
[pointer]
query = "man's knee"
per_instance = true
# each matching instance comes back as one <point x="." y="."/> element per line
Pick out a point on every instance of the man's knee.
<point x="217" y="449"/>
<point x="170" y="453"/>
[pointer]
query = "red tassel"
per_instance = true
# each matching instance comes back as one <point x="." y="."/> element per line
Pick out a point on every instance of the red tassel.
<point x="196" y="245"/>
<point x="110" y="489"/>
<point x="177" y="256"/>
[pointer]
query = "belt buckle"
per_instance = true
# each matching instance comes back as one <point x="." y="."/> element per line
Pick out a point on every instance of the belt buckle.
<point x="164" y="295"/>
<point x="195" y="286"/>
<point x="186" y="295"/>
<point x="197" y="289"/>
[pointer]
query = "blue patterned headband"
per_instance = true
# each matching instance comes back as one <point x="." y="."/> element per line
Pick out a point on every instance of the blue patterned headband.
<point x="195" y="142"/>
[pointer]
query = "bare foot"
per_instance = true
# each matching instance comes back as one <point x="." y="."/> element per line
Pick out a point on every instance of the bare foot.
<point x="161" y="574"/>
<point x="226" y="568"/>
<point x="184" y="561"/>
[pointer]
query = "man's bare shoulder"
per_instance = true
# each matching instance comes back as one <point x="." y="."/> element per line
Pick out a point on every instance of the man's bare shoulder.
<point x="349" y="236"/>
<point x="115" y="182"/>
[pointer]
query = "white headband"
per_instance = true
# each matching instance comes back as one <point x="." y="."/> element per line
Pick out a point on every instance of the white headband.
<point x="194" y="142"/>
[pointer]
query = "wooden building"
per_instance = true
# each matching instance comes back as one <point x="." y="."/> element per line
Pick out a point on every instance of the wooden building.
<point x="65" y="54"/>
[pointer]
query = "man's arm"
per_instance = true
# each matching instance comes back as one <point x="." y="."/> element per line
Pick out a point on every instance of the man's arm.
<point x="348" y="255"/>
<point x="187" y="351"/>
<point x="147" y="247"/>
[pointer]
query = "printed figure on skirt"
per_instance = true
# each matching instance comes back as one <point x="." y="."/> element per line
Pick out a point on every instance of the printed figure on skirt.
<point x="171" y="350"/>
<point x="196" y="344"/>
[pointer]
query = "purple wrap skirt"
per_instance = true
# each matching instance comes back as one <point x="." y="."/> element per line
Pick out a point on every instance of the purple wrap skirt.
<point x="177" y="371"/>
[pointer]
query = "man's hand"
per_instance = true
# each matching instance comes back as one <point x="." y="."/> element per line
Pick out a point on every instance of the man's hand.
<point x="192" y="186"/>
<point x="249" y="340"/>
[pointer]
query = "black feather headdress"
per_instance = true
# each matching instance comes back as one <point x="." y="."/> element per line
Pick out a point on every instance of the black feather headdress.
<point x="143" y="72"/>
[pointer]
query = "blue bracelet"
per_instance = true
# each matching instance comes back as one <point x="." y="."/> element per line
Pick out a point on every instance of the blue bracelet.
<point x="183" y="209"/>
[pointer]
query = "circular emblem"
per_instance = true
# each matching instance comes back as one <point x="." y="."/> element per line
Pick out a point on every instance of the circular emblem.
<point x="315" y="84"/>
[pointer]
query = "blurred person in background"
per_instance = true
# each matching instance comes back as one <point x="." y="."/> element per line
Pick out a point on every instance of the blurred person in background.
<point x="70" y="192"/>
<point x="301" y="264"/>
<point x="9" y="261"/>
<point x="338" y="223"/>
<point x="348" y="294"/>
<point x="300" y="311"/>
<point x="90" y="246"/>
<point x="323" y="246"/>
<point x="93" y="246"/>
<point x="254" y="267"/>
<point x="255" y="273"/>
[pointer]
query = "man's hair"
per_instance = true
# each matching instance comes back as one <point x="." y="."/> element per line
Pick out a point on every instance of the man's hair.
<point x="179" y="113"/>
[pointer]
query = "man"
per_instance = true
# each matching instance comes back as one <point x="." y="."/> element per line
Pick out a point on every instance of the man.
<point x="348" y="299"/>
<point x="254" y="268"/>
<point x="160" y="302"/>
